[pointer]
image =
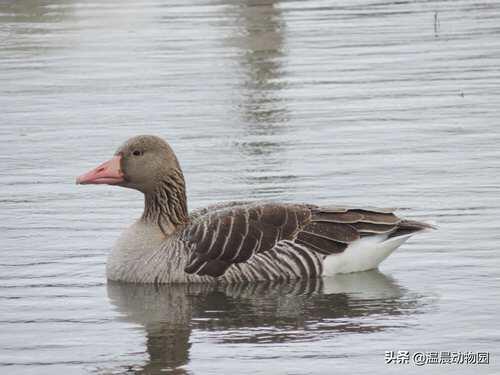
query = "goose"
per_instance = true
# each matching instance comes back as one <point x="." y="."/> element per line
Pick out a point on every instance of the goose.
<point x="235" y="242"/>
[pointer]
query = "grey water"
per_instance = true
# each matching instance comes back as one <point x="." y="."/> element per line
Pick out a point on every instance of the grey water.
<point x="380" y="103"/>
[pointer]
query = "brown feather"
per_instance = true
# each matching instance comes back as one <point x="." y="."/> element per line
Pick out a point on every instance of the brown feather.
<point x="248" y="247"/>
<point x="411" y="226"/>
<point x="214" y="268"/>
<point x="341" y="209"/>
<point x="378" y="218"/>
<point x="320" y="244"/>
<point x="334" y="231"/>
<point x="338" y="217"/>
<point x="374" y="228"/>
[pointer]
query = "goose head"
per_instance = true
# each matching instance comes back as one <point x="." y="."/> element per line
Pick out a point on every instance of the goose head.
<point x="148" y="164"/>
<point x="143" y="163"/>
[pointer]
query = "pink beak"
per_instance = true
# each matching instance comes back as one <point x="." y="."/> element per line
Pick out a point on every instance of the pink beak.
<point x="107" y="173"/>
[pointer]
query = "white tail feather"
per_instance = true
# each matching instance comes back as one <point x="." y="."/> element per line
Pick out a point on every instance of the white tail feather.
<point x="363" y="254"/>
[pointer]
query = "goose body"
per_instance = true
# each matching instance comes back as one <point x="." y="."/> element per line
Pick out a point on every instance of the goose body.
<point x="235" y="242"/>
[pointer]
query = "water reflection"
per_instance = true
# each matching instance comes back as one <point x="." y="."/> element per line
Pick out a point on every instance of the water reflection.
<point x="260" y="44"/>
<point x="302" y="310"/>
<point x="33" y="17"/>
<point x="260" y="40"/>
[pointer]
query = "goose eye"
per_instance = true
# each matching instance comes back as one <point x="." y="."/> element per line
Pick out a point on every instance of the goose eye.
<point x="137" y="153"/>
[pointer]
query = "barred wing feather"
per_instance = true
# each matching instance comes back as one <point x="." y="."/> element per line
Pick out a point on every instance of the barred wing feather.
<point x="230" y="235"/>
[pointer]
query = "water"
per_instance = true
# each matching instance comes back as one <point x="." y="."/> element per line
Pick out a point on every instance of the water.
<point x="366" y="102"/>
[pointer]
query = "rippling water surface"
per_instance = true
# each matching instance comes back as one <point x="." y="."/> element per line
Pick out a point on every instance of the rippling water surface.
<point x="362" y="102"/>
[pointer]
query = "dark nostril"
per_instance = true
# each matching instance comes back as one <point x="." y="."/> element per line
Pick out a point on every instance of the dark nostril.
<point x="100" y="169"/>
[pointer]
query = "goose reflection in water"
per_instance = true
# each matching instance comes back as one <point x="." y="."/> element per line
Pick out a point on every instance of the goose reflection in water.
<point x="300" y="310"/>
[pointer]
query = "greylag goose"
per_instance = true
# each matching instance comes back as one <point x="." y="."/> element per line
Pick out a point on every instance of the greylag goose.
<point x="235" y="241"/>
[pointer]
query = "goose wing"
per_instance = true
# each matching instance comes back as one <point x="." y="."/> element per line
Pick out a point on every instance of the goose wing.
<point x="234" y="234"/>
